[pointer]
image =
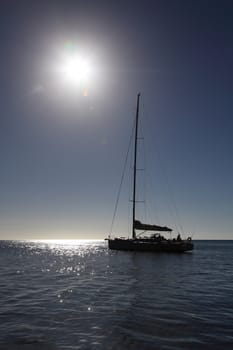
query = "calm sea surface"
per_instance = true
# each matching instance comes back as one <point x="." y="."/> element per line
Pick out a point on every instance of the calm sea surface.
<point x="80" y="295"/>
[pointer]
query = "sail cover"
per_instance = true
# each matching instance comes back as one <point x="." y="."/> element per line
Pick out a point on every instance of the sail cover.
<point x="138" y="225"/>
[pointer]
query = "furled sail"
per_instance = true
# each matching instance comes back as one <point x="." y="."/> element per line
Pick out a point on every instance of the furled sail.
<point x="138" y="225"/>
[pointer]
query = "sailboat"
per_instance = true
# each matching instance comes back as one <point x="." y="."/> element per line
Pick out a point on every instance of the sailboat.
<point x="155" y="242"/>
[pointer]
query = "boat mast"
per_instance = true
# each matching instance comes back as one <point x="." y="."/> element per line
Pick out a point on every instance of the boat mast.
<point x="135" y="165"/>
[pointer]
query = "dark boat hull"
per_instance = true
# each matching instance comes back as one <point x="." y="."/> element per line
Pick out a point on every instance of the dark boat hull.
<point x="166" y="246"/>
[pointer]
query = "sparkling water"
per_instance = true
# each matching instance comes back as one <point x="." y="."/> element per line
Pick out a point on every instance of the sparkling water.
<point x="79" y="295"/>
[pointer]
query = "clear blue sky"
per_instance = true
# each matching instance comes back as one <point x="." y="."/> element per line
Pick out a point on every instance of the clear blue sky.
<point x="62" y="153"/>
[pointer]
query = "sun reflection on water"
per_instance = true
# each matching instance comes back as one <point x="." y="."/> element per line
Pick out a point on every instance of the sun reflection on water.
<point x="65" y="247"/>
<point x="62" y="258"/>
<point x="67" y="242"/>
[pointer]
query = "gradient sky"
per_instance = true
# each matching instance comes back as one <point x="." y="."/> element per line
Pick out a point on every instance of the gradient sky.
<point x="62" y="153"/>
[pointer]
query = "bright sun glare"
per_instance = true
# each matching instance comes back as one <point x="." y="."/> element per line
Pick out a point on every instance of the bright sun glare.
<point x="76" y="70"/>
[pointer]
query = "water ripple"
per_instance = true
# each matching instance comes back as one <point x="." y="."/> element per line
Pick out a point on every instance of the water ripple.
<point x="79" y="295"/>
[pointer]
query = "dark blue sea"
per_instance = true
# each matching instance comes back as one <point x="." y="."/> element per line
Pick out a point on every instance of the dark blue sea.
<point x="80" y="295"/>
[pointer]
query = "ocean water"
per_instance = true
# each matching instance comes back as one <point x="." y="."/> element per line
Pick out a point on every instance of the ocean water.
<point x="80" y="295"/>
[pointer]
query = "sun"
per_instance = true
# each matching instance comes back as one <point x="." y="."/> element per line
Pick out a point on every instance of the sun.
<point x="76" y="70"/>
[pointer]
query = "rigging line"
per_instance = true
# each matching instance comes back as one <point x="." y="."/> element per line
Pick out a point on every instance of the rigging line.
<point x="129" y="212"/>
<point x="168" y="186"/>
<point x="144" y="168"/>
<point x="121" y="182"/>
<point x="171" y="195"/>
<point x="178" y="225"/>
<point x="150" y="206"/>
<point x="172" y="211"/>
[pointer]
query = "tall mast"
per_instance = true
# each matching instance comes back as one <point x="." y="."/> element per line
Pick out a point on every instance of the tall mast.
<point x="135" y="165"/>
